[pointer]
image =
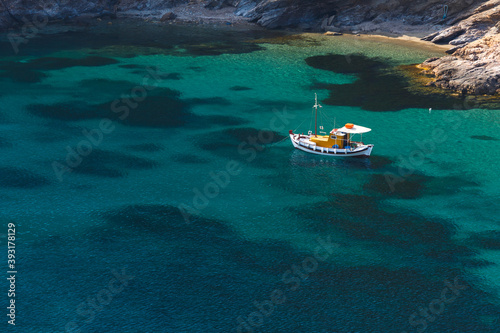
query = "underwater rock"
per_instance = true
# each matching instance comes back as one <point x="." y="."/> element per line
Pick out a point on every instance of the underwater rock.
<point x="239" y="88"/>
<point x="146" y="147"/>
<point x="484" y="137"/>
<point x="21" y="178"/>
<point x="487" y="240"/>
<point x="168" y="16"/>
<point x="189" y="159"/>
<point x="30" y="72"/>
<point x="5" y="143"/>
<point x="111" y="164"/>
<point x="378" y="88"/>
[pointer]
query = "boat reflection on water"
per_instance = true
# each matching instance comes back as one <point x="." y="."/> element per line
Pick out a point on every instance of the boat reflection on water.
<point x="297" y="158"/>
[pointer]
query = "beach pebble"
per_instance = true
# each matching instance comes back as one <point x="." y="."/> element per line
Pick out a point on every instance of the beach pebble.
<point x="333" y="33"/>
<point x="168" y="16"/>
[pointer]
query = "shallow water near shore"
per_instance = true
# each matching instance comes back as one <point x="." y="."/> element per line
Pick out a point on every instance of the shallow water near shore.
<point x="103" y="247"/>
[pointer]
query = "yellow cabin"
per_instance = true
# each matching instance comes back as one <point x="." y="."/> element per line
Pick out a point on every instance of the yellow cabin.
<point x="334" y="140"/>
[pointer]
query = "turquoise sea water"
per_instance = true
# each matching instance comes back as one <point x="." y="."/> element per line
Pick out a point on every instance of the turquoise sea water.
<point x="394" y="230"/>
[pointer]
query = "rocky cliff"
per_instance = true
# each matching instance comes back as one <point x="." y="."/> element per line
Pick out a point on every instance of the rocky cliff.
<point x="367" y="15"/>
<point x="474" y="64"/>
<point x="470" y="68"/>
<point x="473" y="69"/>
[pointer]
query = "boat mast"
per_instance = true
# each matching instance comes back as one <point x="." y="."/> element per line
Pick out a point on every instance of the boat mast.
<point x="316" y="105"/>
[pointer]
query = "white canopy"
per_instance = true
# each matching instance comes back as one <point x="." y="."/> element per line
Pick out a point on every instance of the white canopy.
<point x="356" y="129"/>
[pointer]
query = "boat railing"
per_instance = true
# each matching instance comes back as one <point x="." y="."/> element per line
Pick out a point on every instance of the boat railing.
<point x="355" y="144"/>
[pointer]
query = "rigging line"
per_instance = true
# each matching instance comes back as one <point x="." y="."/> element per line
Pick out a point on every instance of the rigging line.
<point x="324" y="118"/>
<point x="328" y="117"/>
<point x="300" y="125"/>
<point x="312" y="117"/>
<point x="325" y="115"/>
<point x="287" y="137"/>
<point x="323" y="121"/>
<point x="329" y="120"/>
<point x="320" y="121"/>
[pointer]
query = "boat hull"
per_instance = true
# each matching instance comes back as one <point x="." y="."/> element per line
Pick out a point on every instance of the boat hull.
<point x="301" y="142"/>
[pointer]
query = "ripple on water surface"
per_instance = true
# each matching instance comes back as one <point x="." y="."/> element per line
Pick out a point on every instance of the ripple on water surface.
<point x="219" y="90"/>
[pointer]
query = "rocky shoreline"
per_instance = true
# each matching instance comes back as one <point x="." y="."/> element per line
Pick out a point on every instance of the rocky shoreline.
<point x="473" y="66"/>
<point x="419" y="16"/>
<point x="470" y="70"/>
<point x="470" y="27"/>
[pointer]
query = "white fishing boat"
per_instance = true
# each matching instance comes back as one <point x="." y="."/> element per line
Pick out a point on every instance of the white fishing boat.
<point x="338" y="143"/>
